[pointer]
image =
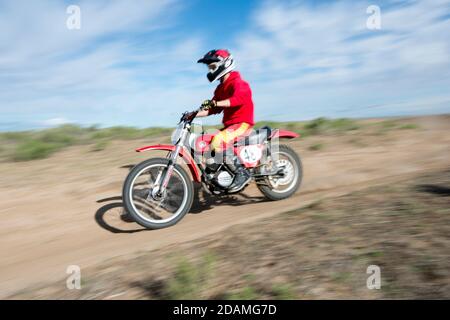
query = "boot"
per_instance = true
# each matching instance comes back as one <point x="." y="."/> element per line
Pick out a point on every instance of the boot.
<point x="213" y="161"/>
<point x="241" y="178"/>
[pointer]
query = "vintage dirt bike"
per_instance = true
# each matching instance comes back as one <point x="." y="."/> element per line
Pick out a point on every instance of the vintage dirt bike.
<point x="158" y="192"/>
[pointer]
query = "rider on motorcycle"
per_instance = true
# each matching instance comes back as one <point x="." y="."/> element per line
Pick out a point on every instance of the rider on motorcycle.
<point x="233" y="97"/>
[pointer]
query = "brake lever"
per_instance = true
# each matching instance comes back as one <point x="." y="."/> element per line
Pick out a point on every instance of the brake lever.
<point x="183" y="117"/>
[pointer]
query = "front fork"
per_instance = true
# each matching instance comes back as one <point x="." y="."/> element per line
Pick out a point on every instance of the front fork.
<point x="166" y="174"/>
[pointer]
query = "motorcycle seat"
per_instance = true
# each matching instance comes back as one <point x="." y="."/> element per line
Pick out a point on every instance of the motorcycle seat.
<point x="256" y="137"/>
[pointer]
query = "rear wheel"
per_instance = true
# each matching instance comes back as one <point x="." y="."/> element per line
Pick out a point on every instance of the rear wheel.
<point x="282" y="187"/>
<point x="143" y="202"/>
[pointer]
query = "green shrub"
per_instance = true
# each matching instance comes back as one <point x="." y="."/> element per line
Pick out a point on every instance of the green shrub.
<point x="155" y="132"/>
<point x="315" y="126"/>
<point x="322" y="125"/>
<point x="33" y="149"/>
<point x="15" y="136"/>
<point x="125" y="133"/>
<point x="283" y="292"/>
<point x="184" y="283"/>
<point x="271" y="124"/>
<point x="57" y="138"/>
<point x="357" y="142"/>
<point x="100" y="145"/>
<point x="316" y="147"/>
<point x="343" y="124"/>
<point x="245" y="293"/>
<point x="388" y="124"/>
<point x="294" y="126"/>
<point x="409" y="126"/>
<point x="188" y="280"/>
<point x="31" y="145"/>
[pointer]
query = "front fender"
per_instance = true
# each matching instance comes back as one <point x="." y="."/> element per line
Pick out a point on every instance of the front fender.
<point x="286" y="134"/>
<point x="196" y="175"/>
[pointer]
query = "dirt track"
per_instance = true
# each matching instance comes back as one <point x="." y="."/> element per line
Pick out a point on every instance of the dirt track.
<point x="66" y="210"/>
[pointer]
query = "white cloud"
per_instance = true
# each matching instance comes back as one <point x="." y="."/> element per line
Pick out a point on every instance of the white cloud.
<point x="54" y="122"/>
<point x="117" y="63"/>
<point x="313" y="60"/>
<point x="129" y="65"/>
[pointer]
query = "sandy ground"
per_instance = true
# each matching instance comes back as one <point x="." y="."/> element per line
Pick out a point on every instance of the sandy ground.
<point x="66" y="210"/>
<point x="320" y="251"/>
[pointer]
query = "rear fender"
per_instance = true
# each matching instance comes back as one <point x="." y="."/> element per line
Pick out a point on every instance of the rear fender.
<point x="196" y="175"/>
<point x="284" y="134"/>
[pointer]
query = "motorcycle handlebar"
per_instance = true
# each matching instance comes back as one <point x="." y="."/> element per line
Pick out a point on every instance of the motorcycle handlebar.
<point x="192" y="117"/>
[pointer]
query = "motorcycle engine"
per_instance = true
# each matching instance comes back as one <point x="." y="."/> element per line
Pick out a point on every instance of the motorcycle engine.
<point x="223" y="179"/>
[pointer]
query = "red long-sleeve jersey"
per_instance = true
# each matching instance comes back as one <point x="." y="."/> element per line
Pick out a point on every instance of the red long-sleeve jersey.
<point x="241" y="104"/>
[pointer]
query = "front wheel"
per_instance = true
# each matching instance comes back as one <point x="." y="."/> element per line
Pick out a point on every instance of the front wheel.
<point x="146" y="205"/>
<point x="282" y="187"/>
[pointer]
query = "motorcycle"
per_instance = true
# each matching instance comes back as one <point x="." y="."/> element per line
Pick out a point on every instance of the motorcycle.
<point x="158" y="192"/>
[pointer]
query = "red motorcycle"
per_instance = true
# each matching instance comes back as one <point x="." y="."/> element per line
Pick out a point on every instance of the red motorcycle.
<point x="158" y="192"/>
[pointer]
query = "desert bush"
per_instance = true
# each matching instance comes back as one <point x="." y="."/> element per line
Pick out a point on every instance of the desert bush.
<point x="245" y="293"/>
<point x="343" y="124"/>
<point x="189" y="280"/>
<point x="324" y="125"/>
<point x="117" y="133"/>
<point x="33" y="149"/>
<point x="316" y="147"/>
<point x="392" y="124"/>
<point x="57" y="138"/>
<point x="15" y="136"/>
<point x="30" y="145"/>
<point x="156" y="132"/>
<point x="409" y="126"/>
<point x="100" y="145"/>
<point x="283" y="292"/>
<point x="315" y="126"/>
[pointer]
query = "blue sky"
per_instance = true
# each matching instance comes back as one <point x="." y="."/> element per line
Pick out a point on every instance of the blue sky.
<point x="134" y="62"/>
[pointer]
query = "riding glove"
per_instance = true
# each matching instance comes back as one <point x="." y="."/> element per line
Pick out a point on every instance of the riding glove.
<point x="208" y="104"/>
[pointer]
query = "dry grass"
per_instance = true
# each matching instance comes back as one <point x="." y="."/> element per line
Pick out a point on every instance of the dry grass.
<point x="32" y="145"/>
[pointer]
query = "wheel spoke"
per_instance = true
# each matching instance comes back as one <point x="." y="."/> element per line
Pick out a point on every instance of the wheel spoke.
<point x="285" y="182"/>
<point x="151" y="207"/>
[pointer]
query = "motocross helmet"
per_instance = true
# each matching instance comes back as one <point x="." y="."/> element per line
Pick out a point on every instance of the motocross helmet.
<point x="220" y="62"/>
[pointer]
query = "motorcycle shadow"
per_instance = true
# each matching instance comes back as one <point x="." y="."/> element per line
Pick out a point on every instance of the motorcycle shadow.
<point x="204" y="201"/>
<point x="113" y="217"/>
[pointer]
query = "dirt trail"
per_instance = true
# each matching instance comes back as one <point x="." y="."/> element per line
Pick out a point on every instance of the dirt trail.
<point x="66" y="210"/>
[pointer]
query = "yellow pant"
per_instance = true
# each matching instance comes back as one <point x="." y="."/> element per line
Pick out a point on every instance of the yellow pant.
<point x="222" y="140"/>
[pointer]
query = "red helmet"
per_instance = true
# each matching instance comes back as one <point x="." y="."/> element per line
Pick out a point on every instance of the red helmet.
<point x="220" y="62"/>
